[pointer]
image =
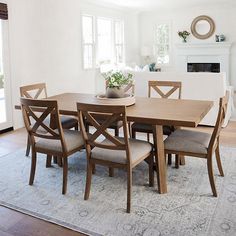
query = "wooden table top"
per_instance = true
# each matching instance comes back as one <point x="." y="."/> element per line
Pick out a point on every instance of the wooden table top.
<point x="156" y="111"/>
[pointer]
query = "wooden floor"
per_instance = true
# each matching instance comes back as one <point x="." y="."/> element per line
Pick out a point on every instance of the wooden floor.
<point x="13" y="223"/>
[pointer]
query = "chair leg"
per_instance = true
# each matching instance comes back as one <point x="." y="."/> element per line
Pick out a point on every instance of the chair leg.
<point x="49" y="161"/>
<point x="151" y="171"/>
<point x="129" y="188"/>
<point x="59" y="161"/>
<point x="182" y="160"/>
<point x="217" y="153"/>
<point x="93" y="169"/>
<point x="33" y="167"/>
<point x="88" y="181"/>
<point x="28" y="146"/>
<point x="77" y="126"/>
<point x="211" y="176"/>
<point x="111" y="171"/>
<point x="133" y="133"/>
<point x="65" y="174"/>
<point x="54" y="159"/>
<point x="169" y="159"/>
<point x="117" y="132"/>
<point x="177" y="161"/>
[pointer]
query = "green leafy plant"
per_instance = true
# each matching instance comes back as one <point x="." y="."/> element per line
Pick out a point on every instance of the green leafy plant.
<point x="183" y="34"/>
<point x="117" y="79"/>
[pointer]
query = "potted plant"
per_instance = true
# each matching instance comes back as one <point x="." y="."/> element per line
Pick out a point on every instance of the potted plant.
<point x="183" y="34"/>
<point x="115" y="83"/>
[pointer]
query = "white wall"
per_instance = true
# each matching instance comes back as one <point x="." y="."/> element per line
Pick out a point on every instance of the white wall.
<point x="45" y="45"/>
<point x="180" y="19"/>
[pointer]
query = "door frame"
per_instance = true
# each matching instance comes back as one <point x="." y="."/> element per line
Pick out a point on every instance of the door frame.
<point x="7" y="78"/>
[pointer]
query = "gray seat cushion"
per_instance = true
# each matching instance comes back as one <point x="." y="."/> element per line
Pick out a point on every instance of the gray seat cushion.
<point x="138" y="149"/>
<point x="68" y="122"/>
<point x="188" y="141"/>
<point x="73" y="139"/>
<point x="146" y="128"/>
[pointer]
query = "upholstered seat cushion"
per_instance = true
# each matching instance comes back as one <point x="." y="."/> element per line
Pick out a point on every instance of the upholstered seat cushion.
<point x="68" y="122"/>
<point x="73" y="140"/>
<point x="188" y="141"/>
<point x="139" y="127"/>
<point x="138" y="149"/>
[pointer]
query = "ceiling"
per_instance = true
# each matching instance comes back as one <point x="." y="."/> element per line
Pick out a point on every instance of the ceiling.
<point x="150" y="4"/>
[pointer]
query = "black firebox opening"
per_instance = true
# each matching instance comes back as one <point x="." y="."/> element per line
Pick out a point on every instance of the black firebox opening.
<point x="204" y="67"/>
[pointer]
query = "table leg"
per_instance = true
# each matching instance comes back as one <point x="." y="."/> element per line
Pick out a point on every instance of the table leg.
<point x="160" y="158"/>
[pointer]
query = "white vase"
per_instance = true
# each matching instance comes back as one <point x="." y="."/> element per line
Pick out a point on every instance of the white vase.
<point x="115" y="92"/>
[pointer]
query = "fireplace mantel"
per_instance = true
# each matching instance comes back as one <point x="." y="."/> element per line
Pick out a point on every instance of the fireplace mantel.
<point x="204" y="53"/>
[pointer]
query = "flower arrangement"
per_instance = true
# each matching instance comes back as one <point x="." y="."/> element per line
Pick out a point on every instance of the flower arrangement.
<point x="117" y="79"/>
<point x="115" y="82"/>
<point x="183" y="34"/>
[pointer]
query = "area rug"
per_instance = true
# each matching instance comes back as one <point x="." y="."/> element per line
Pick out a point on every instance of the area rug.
<point x="187" y="209"/>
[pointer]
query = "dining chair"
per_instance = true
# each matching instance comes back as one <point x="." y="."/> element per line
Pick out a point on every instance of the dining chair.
<point x="105" y="149"/>
<point x="164" y="89"/>
<point x="39" y="91"/>
<point x="47" y="140"/>
<point x="200" y="144"/>
<point x="128" y="89"/>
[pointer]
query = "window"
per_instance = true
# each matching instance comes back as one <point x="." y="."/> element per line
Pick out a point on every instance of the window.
<point x="119" y="42"/>
<point x="103" y="41"/>
<point x="88" y="41"/>
<point x="162" y="44"/>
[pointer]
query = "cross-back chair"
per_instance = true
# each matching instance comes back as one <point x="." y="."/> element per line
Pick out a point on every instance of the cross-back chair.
<point x="45" y="139"/>
<point x="172" y="87"/>
<point x="105" y="149"/>
<point x="200" y="144"/>
<point x="128" y="89"/>
<point x="39" y="91"/>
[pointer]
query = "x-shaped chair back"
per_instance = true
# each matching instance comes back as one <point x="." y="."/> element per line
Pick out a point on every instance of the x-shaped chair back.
<point x="35" y="91"/>
<point x="158" y="87"/>
<point x="110" y="114"/>
<point x="220" y="120"/>
<point x="40" y="112"/>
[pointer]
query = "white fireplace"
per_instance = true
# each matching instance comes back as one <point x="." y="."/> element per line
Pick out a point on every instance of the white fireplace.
<point x="204" y="53"/>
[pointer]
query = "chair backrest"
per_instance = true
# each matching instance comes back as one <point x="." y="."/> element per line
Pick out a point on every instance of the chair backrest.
<point x="129" y="88"/>
<point x="109" y="114"/>
<point x="219" y="121"/>
<point x="41" y="118"/>
<point x="159" y="86"/>
<point x="35" y="91"/>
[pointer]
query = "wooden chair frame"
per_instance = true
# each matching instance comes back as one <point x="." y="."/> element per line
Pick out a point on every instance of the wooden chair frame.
<point x="129" y="88"/>
<point x="40" y="89"/>
<point x="46" y="108"/>
<point x="113" y="113"/>
<point x="213" y="146"/>
<point x="156" y="86"/>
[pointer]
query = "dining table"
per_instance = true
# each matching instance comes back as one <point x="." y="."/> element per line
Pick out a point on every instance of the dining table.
<point x="154" y="111"/>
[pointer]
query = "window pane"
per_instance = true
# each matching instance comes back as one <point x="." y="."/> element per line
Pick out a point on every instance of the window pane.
<point x="88" y="56"/>
<point x="104" y="43"/>
<point x="87" y="24"/>
<point x="162" y="44"/>
<point x="119" y="54"/>
<point x="119" y="32"/>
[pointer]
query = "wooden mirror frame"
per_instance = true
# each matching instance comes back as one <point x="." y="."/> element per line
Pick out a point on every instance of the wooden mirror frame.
<point x="203" y="36"/>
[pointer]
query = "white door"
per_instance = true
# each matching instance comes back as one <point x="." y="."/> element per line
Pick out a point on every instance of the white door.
<point x="5" y="87"/>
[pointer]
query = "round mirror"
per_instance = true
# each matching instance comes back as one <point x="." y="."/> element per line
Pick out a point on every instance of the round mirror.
<point x="203" y="27"/>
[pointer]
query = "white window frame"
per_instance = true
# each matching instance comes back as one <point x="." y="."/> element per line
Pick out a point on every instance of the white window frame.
<point x="170" y="43"/>
<point x="95" y="63"/>
<point x="88" y="44"/>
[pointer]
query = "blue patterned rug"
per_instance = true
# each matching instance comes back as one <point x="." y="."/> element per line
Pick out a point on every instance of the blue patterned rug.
<point x="187" y="209"/>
